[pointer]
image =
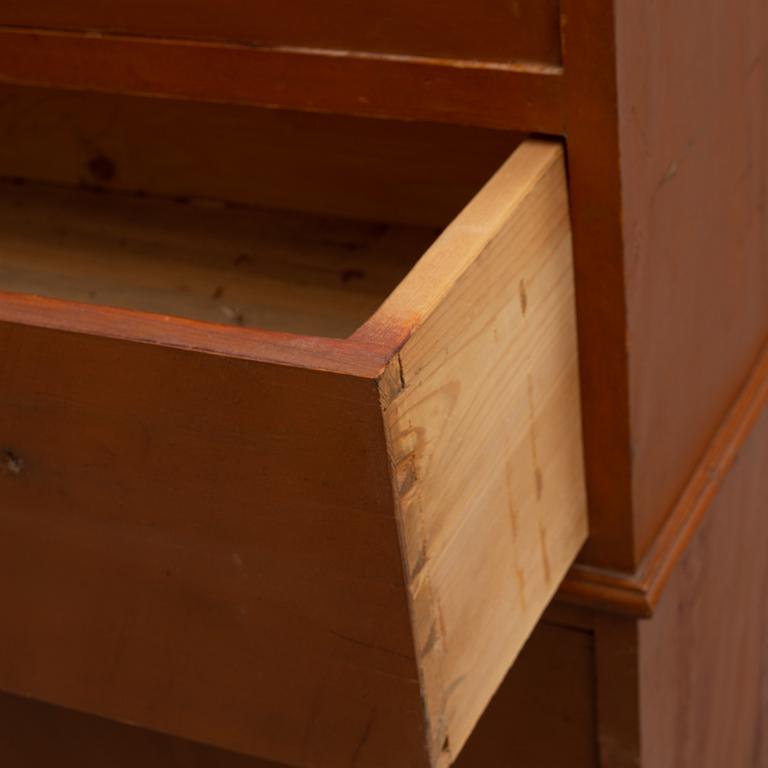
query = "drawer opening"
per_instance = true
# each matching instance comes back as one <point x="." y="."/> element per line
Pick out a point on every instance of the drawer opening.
<point x="280" y="221"/>
<point x="284" y="271"/>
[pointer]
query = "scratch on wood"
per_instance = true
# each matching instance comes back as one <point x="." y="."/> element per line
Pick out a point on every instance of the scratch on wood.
<point x="371" y="646"/>
<point x="670" y="174"/>
<point x="364" y="737"/>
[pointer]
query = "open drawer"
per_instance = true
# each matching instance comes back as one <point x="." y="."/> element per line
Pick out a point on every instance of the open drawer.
<point x="295" y="485"/>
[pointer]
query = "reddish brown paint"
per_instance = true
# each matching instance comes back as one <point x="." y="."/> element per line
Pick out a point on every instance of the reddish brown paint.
<point x="492" y="30"/>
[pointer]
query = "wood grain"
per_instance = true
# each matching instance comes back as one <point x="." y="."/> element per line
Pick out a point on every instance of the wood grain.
<point x="490" y="30"/>
<point x="482" y="415"/>
<point x="206" y="547"/>
<point x="310" y="275"/>
<point x="375" y="170"/>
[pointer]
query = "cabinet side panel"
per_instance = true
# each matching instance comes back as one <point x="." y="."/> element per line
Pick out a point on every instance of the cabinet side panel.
<point x="204" y="546"/>
<point x="482" y="411"/>
<point x="693" y="119"/>
<point x="704" y="655"/>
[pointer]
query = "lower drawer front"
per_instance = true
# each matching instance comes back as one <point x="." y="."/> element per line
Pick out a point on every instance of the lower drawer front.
<point x="315" y="551"/>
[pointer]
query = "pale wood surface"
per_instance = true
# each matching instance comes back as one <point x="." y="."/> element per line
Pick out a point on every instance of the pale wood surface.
<point x="482" y="415"/>
<point x="288" y="272"/>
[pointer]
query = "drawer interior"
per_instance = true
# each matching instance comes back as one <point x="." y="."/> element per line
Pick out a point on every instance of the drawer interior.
<point x="271" y="220"/>
<point x="284" y="271"/>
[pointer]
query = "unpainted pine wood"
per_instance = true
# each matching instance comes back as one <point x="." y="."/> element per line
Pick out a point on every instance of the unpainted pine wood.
<point x="704" y="656"/>
<point x="515" y="96"/>
<point x="484" y="29"/>
<point x="203" y="546"/>
<point x="693" y="123"/>
<point x="481" y="407"/>
<point x="376" y="170"/>
<point x="296" y="273"/>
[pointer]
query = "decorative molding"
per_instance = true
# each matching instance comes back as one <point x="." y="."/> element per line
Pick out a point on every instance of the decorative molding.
<point x="636" y="594"/>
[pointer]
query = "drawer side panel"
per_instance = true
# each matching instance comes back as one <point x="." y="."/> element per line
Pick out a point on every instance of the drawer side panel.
<point x="483" y="417"/>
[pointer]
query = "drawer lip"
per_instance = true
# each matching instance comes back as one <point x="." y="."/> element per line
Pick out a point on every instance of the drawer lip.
<point x="343" y="356"/>
<point x="369" y="349"/>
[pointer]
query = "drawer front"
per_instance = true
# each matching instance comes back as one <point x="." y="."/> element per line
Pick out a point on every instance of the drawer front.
<point x="493" y="30"/>
<point x="204" y="546"/>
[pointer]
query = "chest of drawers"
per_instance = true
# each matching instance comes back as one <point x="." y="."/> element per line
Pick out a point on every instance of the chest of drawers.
<point x="339" y="122"/>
